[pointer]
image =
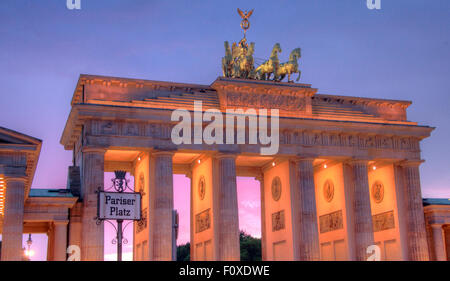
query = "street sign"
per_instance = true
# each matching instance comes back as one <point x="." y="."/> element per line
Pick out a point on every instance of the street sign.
<point x="119" y="205"/>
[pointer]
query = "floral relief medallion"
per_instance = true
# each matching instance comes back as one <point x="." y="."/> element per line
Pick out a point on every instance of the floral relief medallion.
<point x="378" y="192"/>
<point x="201" y="187"/>
<point x="276" y="188"/>
<point x="328" y="190"/>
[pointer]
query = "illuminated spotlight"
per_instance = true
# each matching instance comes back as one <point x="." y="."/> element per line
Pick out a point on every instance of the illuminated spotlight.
<point x="374" y="168"/>
<point x="198" y="161"/>
<point x="325" y="166"/>
<point x="29" y="253"/>
<point x="273" y="164"/>
<point x="139" y="158"/>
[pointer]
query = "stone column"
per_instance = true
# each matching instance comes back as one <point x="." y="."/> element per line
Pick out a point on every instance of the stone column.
<point x="191" y="216"/>
<point x="13" y="219"/>
<point x="263" y="218"/>
<point x="415" y="220"/>
<point x="161" y="205"/>
<point x="50" y="242"/>
<point x="75" y="226"/>
<point x="306" y="234"/>
<point x="60" y="240"/>
<point x="92" y="178"/>
<point x="438" y="242"/>
<point x="362" y="214"/>
<point x="228" y="218"/>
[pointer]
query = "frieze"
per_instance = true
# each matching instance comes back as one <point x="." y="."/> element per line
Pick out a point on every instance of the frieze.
<point x="287" y="136"/>
<point x="282" y="102"/>
<point x="202" y="221"/>
<point x="383" y="221"/>
<point x="156" y="130"/>
<point x="278" y="221"/>
<point x="330" y="222"/>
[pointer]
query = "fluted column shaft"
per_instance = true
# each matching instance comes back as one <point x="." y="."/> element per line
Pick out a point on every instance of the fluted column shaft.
<point x="415" y="220"/>
<point x="438" y="242"/>
<point x="161" y="206"/>
<point x="362" y="224"/>
<point x="60" y="240"/>
<point x="228" y="220"/>
<point x="92" y="178"/>
<point x="13" y="219"/>
<point x="263" y="219"/>
<point x="305" y="213"/>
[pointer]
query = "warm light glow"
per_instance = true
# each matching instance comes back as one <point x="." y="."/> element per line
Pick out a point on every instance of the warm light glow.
<point x="374" y="167"/>
<point x="273" y="164"/>
<point x="198" y="161"/>
<point x="325" y="166"/>
<point x="139" y="158"/>
<point x="29" y="253"/>
<point x="2" y="195"/>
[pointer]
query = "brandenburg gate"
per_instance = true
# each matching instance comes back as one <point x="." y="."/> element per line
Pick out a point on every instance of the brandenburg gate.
<point x="346" y="175"/>
<point x="339" y="175"/>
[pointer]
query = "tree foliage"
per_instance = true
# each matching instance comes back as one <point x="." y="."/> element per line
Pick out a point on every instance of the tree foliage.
<point x="250" y="249"/>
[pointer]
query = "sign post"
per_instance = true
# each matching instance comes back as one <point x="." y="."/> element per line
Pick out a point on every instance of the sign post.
<point x="119" y="206"/>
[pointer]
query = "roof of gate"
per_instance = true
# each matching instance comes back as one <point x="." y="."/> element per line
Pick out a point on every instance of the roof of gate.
<point x="102" y="90"/>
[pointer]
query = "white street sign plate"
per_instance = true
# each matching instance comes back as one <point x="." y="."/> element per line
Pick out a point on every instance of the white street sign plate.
<point x="119" y="205"/>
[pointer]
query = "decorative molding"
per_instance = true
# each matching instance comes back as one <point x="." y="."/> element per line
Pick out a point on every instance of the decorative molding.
<point x="328" y="190"/>
<point x="142" y="223"/>
<point x="377" y="192"/>
<point x="278" y="221"/>
<point x="202" y="221"/>
<point x="383" y="221"/>
<point x="308" y="138"/>
<point x="276" y="188"/>
<point x="201" y="187"/>
<point x="330" y="222"/>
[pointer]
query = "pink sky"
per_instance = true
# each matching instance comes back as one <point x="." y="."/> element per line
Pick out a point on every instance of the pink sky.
<point x="249" y="217"/>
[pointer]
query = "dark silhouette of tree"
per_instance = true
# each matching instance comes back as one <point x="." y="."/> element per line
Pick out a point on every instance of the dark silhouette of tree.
<point x="250" y="249"/>
<point x="184" y="252"/>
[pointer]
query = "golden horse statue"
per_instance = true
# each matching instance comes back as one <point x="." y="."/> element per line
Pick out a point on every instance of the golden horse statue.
<point x="290" y="67"/>
<point x="244" y="63"/>
<point x="227" y="61"/>
<point x="270" y="66"/>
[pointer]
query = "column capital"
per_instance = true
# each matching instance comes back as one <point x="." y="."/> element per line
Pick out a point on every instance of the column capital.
<point x="224" y="155"/>
<point x="260" y="178"/>
<point x="358" y="161"/>
<point x="436" y="225"/>
<point x="93" y="149"/>
<point x="304" y="157"/>
<point x="411" y="163"/>
<point x="162" y="153"/>
<point x="61" y="222"/>
<point x="15" y="178"/>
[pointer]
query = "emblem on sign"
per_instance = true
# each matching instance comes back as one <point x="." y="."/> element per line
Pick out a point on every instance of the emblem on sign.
<point x="276" y="188"/>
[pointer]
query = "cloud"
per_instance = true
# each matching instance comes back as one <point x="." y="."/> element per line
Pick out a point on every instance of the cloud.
<point x="250" y="204"/>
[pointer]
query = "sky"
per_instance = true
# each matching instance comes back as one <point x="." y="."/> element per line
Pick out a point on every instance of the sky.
<point x="398" y="52"/>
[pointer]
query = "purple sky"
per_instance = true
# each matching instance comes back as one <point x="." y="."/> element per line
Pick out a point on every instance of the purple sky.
<point x="398" y="52"/>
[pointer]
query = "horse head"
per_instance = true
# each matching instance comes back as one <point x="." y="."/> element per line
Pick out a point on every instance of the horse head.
<point x="276" y="49"/>
<point x="295" y="54"/>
